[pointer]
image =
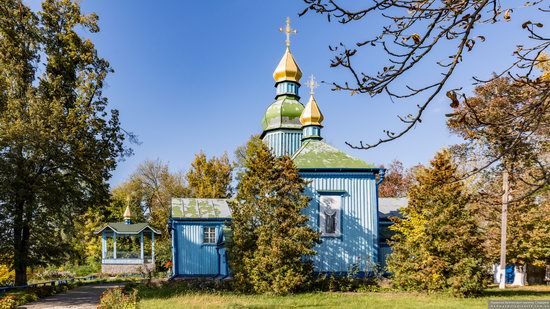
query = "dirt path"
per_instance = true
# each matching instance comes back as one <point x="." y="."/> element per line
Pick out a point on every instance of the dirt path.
<point x="84" y="297"/>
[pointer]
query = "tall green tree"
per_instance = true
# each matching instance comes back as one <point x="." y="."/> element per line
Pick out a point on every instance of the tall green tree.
<point x="59" y="142"/>
<point x="437" y="246"/>
<point x="210" y="178"/>
<point x="271" y="240"/>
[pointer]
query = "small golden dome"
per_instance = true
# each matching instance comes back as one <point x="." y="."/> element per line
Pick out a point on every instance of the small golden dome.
<point x="312" y="114"/>
<point x="288" y="69"/>
<point x="127" y="213"/>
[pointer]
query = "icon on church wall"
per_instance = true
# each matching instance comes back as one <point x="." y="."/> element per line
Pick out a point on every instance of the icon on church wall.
<point x="330" y="207"/>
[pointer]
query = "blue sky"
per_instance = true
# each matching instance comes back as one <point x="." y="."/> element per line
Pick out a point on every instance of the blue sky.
<point x="197" y="75"/>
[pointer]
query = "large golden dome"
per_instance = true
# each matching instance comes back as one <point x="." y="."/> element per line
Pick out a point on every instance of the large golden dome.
<point x="288" y="69"/>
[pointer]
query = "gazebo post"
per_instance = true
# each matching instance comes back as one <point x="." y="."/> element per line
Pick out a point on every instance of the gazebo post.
<point x="141" y="242"/>
<point x="114" y="245"/>
<point x="153" y="246"/>
<point x="103" y="245"/>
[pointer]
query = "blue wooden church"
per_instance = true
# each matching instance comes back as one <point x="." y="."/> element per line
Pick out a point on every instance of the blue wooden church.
<point x="344" y="190"/>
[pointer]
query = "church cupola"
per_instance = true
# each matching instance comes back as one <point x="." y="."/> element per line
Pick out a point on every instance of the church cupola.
<point x="282" y="130"/>
<point x="287" y="74"/>
<point x="311" y="117"/>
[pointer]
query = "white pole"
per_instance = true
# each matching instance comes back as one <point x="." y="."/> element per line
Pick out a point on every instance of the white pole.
<point x="504" y="219"/>
<point x="141" y="243"/>
<point x="114" y="245"/>
<point x="103" y="245"/>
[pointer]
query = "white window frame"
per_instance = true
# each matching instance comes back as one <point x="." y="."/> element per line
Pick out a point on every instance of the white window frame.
<point x="209" y="235"/>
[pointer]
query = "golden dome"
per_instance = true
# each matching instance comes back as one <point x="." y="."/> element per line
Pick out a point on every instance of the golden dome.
<point x="312" y="114"/>
<point x="127" y="213"/>
<point x="288" y="69"/>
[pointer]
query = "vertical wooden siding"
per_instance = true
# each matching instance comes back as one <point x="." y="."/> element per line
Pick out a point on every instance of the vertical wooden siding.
<point x="358" y="243"/>
<point x="283" y="142"/>
<point x="193" y="257"/>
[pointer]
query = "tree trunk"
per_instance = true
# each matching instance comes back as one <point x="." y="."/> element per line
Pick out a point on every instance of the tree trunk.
<point x="20" y="246"/>
<point x="520" y="275"/>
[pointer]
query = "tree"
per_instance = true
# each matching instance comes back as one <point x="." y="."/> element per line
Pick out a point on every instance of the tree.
<point x="271" y="241"/>
<point x="495" y="123"/>
<point x="396" y="182"/>
<point x="419" y="34"/>
<point x="528" y="225"/>
<point x="86" y="245"/>
<point x="210" y="178"/>
<point x="438" y="244"/>
<point x="149" y="191"/>
<point x="58" y="141"/>
<point x="151" y="188"/>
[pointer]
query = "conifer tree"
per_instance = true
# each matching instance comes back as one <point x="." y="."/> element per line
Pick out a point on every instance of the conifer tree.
<point x="438" y="244"/>
<point x="271" y="241"/>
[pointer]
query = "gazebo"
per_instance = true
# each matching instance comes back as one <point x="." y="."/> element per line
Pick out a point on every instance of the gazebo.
<point x="127" y="247"/>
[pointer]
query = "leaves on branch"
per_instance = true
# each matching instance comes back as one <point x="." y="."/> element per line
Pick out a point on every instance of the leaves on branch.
<point x="507" y="14"/>
<point x="454" y="100"/>
<point x="416" y="38"/>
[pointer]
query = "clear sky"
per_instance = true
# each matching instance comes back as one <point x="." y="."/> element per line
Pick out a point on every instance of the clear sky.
<point x="197" y="75"/>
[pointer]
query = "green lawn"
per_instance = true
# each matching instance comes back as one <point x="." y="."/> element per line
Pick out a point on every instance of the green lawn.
<point x="159" y="299"/>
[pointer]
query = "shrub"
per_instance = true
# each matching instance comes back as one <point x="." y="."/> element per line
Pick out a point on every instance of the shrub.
<point x="7" y="276"/>
<point x="8" y="302"/>
<point x="87" y="269"/>
<point x="54" y="274"/>
<point x="350" y="282"/>
<point x="118" y="298"/>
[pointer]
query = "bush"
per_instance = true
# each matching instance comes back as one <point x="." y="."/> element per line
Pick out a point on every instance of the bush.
<point x="118" y="298"/>
<point x="7" y="276"/>
<point x="8" y="302"/>
<point x="345" y="283"/>
<point x="54" y="274"/>
<point x="84" y="270"/>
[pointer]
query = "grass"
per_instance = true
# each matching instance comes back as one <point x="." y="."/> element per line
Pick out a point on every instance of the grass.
<point x="172" y="298"/>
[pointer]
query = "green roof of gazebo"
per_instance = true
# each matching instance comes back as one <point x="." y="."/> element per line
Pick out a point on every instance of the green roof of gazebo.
<point x="124" y="228"/>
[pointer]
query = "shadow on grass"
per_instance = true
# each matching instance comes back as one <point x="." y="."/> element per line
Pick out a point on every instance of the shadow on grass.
<point x="518" y="291"/>
<point x="168" y="289"/>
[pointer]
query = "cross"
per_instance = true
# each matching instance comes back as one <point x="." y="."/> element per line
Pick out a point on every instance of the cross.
<point x="288" y="31"/>
<point x="312" y="84"/>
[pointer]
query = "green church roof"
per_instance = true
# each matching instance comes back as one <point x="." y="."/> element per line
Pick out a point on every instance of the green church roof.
<point x="123" y="228"/>
<point x="318" y="154"/>
<point x="283" y="113"/>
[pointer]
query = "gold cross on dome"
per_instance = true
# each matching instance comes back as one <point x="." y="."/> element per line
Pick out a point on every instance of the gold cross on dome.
<point x="288" y="31"/>
<point x="312" y="84"/>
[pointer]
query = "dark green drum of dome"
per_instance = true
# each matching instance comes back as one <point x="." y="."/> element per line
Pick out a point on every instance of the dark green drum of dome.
<point x="283" y="114"/>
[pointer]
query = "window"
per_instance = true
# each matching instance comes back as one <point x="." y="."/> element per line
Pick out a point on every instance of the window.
<point x="329" y="209"/>
<point x="208" y="235"/>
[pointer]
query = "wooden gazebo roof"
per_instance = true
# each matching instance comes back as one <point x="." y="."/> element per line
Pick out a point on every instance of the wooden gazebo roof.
<point x="128" y="229"/>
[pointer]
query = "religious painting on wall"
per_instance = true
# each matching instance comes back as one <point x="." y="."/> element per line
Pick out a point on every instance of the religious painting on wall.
<point x="329" y="219"/>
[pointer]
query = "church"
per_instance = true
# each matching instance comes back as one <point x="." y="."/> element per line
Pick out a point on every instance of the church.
<point x="342" y="188"/>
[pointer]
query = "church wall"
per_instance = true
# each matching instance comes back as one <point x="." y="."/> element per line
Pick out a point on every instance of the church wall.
<point x="283" y="142"/>
<point x="359" y="221"/>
